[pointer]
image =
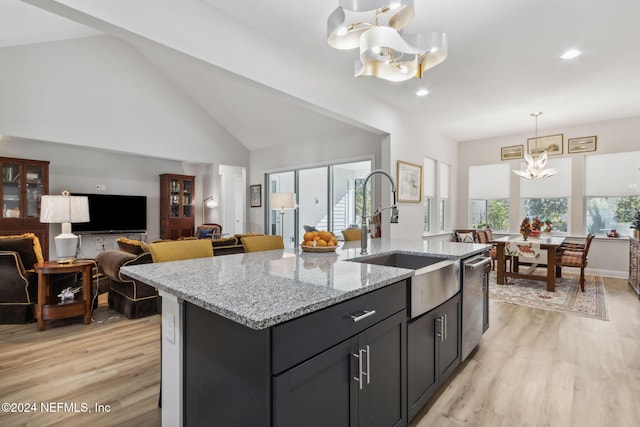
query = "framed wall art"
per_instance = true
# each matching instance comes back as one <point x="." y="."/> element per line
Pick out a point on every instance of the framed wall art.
<point x="580" y="145"/>
<point x="409" y="182"/>
<point x="512" y="152"/>
<point x="552" y="144"/>
<point x="255" y="195"/>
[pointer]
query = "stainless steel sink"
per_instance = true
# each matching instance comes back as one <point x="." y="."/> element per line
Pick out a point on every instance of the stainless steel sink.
<point x="435" y="279"/>
<point x="400" y="260"/>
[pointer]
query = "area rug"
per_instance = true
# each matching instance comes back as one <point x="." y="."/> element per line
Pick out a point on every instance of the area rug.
<point x="567" y="297"/>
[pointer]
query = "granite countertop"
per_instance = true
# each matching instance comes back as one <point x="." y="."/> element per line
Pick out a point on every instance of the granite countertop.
<point x="263" y="289"/>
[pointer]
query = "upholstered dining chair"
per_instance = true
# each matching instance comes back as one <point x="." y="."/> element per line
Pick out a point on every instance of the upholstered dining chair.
<point x="351" y="234"/>
<point x="465" y="236"/>
<point x="177" y="250"/>
<point x="485" y="237"/>
<point x="574" y="255"/>
<point x="262" y="243"/>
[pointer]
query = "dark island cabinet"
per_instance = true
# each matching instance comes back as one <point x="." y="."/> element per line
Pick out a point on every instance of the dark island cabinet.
<point x="433" y="351"/>
<point x="344" y="365"/>
<point x="358" y="382"/>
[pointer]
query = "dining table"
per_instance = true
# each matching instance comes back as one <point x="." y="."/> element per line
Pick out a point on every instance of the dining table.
<point x="550" y="244"/>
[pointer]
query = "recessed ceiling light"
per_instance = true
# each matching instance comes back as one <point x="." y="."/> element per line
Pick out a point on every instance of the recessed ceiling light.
<point x="570" y="54"/>
<point x="422" y="92"/>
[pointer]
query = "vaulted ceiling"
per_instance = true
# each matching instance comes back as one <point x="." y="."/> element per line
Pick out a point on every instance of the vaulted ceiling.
<point x="504" y="63"/>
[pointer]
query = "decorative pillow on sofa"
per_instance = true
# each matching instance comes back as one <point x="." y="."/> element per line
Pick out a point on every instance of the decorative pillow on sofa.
<point x="26" y="245"/>
<point x="135" y="247"/>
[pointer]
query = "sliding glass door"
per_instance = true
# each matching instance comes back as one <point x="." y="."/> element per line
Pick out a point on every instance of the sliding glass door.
<point x="281" y="222"/>
<point x="329" y="198"/>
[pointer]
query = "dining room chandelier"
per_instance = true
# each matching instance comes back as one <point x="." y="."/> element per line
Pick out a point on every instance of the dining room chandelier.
<point x="536" y="163"/>
<point x="386" y="52"/>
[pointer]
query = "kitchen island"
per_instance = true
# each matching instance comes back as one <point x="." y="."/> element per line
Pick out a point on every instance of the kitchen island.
<point x="242" y="333"/>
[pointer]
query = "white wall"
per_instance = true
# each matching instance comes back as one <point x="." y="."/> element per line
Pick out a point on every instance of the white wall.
<point x="610" y="256"/>
<point x="99" y="92"/>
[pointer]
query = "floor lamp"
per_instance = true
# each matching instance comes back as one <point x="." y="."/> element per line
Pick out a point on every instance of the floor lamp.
<point x="209" y="203"/>
<point x="282" y="201"/>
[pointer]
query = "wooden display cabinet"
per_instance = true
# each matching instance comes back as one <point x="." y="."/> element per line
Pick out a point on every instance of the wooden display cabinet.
<point x="177" y="208"/>
<point x="22" y="186"/>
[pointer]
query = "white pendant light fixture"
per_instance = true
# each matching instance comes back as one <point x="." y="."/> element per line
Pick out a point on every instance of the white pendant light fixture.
<point x="375" y="27"/>
<point x="535" y="165"/>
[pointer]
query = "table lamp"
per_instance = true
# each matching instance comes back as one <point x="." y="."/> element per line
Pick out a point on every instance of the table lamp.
<point x="282" y="201"/>
<point x="64" y="210"/>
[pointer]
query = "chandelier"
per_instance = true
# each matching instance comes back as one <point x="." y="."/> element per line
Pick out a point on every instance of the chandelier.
<point x="535" y="165"/>
<point x="375" y="26"/>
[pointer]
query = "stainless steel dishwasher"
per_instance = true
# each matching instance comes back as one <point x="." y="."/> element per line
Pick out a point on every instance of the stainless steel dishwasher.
<point x="474" y="271"/>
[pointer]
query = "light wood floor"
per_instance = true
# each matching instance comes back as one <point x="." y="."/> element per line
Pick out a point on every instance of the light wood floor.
<point x="115" y="362"/>
<point x="532" y="368"/>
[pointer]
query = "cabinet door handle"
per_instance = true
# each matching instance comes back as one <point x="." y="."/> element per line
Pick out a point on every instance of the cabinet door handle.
<point x="444" y="327"/>
<point x="368" y="374"/>
<point x="360" y="373"/>
<point x="366" y="313"/>
<point x="440" y="333"/>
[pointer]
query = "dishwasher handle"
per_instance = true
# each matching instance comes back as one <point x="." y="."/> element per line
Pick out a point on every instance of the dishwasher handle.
<point x="480" y="262"/>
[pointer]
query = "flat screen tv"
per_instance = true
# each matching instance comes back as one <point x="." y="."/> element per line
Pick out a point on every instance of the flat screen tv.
<point x="113" y="214"/>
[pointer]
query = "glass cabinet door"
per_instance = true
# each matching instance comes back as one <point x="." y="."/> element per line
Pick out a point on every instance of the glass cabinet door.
<point x="34" y="184"/>
<point x="10" y="190"/>
<point x="174" y="202"/>
<point x="187" y="197"/>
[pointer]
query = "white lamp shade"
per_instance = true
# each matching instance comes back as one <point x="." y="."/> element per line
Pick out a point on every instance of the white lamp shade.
<point x="64" y="209"/>
<point x="282" y="200"/>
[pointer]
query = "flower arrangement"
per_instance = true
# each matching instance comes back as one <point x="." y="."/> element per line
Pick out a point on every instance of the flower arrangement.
<point x="525" y="227"/>
<point x="533" y="227"/>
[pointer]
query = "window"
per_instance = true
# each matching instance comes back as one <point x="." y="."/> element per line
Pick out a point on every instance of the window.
<point x="548" y="198"/>
<point x="429" y="190"/>
<point x="489" y="195"/>
<point x="611" y="198"/>
<point x="445" y="174"/>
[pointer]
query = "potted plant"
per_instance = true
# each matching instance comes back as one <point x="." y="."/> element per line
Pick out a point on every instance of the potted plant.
<point x="635" y="224"/>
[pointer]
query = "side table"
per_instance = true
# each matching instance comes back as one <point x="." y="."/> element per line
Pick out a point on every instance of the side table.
<point x="47" y="307"/>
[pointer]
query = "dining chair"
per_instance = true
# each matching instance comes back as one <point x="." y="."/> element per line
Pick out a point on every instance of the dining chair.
<point x="485" y="237"/>
<point x="572" y="255"/>
<point x="351" y="234"/>
<point x="465" y="236"/>
<point x="177" y="250"/>
<point x="262" y="243"/>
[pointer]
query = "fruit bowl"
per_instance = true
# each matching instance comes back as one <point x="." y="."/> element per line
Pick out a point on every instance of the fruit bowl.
<point x="318" y="249"/>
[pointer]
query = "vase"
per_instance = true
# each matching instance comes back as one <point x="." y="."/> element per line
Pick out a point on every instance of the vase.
<point x="525" y="236"/>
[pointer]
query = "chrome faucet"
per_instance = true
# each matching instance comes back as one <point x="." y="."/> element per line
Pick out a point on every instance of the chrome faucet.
<point x="364" y="231"/>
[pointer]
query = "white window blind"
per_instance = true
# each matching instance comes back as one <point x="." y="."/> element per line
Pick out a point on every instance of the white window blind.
<point x="489" y="182"/>
<point x="444" y="180"/>
<point x="429" y="178"/>
<point x="558" y="185"/>
<point x="616" y="174"/>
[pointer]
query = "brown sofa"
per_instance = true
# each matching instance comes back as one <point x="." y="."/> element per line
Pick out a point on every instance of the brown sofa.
<point x="18" y="279"/>
<point x="128" y="296"/>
